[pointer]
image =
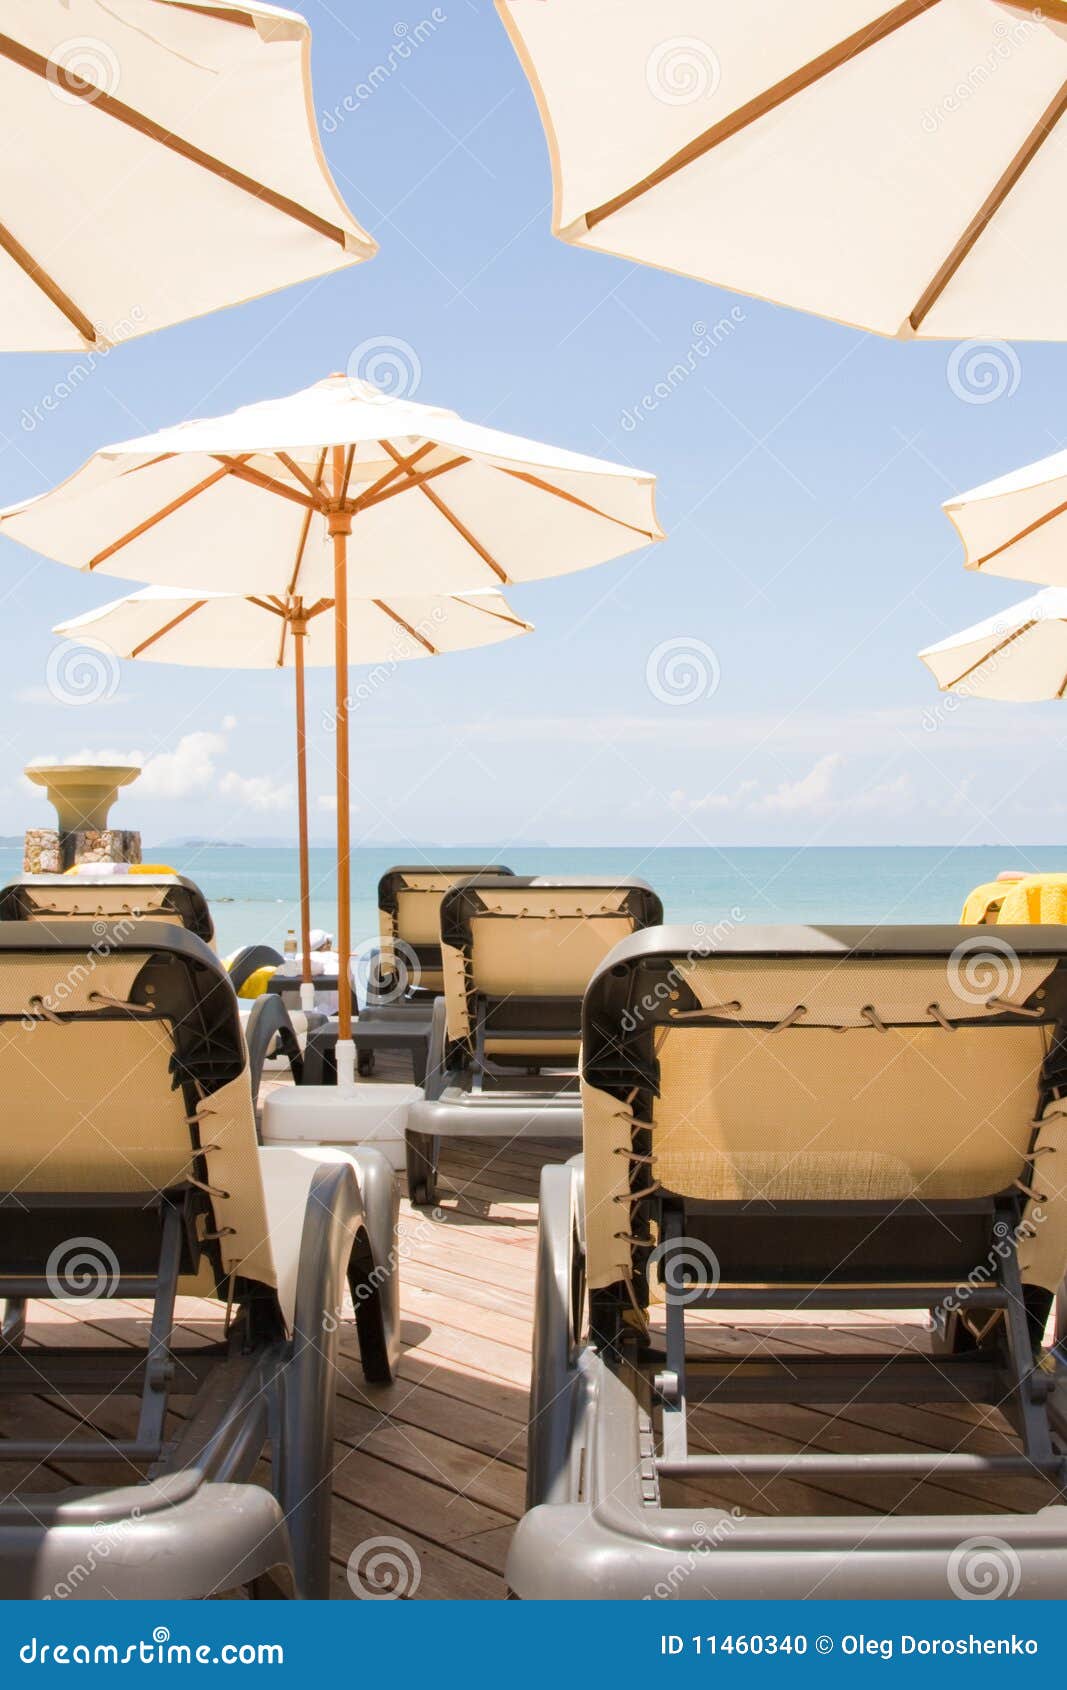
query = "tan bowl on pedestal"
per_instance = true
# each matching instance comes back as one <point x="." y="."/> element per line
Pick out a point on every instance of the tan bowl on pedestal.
<point x="83" y="793"/>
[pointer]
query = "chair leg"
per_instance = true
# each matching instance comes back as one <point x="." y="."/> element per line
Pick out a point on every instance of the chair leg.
<point x="423" y="1154"/>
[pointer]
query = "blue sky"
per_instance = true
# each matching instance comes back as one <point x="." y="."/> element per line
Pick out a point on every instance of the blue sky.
<point x="801" y="469"/>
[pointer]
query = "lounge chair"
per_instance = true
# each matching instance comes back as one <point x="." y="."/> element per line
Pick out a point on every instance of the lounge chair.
<point x="517" y="954"/>
<point x="800" y="1118"/>
<point x="55" y="898"/>
<point x="129" y="1167"/>
<point x="272" y="1033"/>
<point x="404" y="973"/>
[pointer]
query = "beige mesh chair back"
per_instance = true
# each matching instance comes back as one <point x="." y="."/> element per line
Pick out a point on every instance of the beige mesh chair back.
<point x="409" y="917"/>
<point x="518" y="953"/>
<point x="57" y="898"/>
<point x="130" y="1167"/>
<point x="805" y="1120"/>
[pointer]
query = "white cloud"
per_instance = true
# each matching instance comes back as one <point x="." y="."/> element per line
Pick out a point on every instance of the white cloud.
<point x="188" y="769"/>
<point x="258" y="792"/>
<point x="812" y="792"/>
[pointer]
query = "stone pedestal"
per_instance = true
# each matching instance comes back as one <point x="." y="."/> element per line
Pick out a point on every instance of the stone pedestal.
<point x="82" y="793"/>
<point x="47" y="851"/>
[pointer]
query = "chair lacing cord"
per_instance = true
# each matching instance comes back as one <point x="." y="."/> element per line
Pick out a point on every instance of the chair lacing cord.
<point x="211" y="1190"/>
<point x="731" y="1008"/>
<point x="223" y="1232"/>
<point x="633" y="1155"/>
<point x="791" y="1019"/>
<point x="635" y="1196"/>
<point x="1016" y="1008"/>
<point x="1028" y="1191"/>
<point x="936" y="1013"/>
<point x="979" y="1332"/>
<point x="121" y="1003"/>
<point x="873" y="1019"/>
<point x="42" y="1011"/>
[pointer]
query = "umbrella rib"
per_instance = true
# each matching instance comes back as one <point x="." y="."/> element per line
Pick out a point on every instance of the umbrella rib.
<point x="871" y="35"/>
<point x="306" y="481"/>
<point x="497" y="615"/>
<point x="573" y="499"/>
<point x="408" y="629"/>
<point x="158" y="516"/>
<point x="450" y="516"/>
<point x="257" y="478"/>
<point x="1023" y="534"/>
<point x="982" y="218"/>
<point x="47" y="285"/>
<point x="306" y="529"/>
<point x="17" y="53"/>
<point x="383" y="481"/>
<point x="190" y="610"/>
<point x="366" y="502"/>
<point x="994" y="651"/>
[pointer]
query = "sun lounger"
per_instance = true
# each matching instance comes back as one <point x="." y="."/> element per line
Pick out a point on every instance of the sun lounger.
<point x="404" y="974"/>
<point x="517" y="954"/>
<point x="129" y="1167"/>
<point x="55" y="898"/>
<point x="801" y="1118"/>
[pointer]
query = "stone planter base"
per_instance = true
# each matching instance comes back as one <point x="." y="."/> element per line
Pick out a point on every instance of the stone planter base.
<point x="47" y="851"/>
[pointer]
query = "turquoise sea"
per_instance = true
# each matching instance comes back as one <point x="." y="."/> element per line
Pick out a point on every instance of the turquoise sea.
<point x="253" y="890"/>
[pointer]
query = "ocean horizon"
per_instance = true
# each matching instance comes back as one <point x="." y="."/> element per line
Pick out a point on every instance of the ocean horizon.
<point x="253" y="889"/>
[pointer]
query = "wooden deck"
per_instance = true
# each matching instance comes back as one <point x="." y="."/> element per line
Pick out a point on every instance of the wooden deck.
<point x="434" y="1463"/>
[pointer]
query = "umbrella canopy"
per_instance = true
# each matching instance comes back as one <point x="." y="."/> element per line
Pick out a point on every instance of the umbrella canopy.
<point x="1017" y="525"/>
<point x="409" y="496"/>
<point x="164" y="162"/>
<point x="201" y="628"/>
<point x="892" y="166"/>
<point x="223" y="630"/>
<point x="435" y="504"/>
<point x="1017" y="656"/>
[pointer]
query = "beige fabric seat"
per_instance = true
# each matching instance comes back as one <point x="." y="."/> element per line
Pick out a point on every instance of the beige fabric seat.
<point x="55" y="898"/>
<point x="841" y="1080"/>
<point x="517" y="954"/>
<point x="409" y="918"/>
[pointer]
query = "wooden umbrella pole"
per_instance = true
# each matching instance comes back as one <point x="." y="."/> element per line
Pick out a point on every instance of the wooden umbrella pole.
<point x="340" y="526"/>
<point x="299" y="627"/>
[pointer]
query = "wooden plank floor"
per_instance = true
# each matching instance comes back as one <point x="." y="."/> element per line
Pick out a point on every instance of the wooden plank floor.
<point x="433" y="1464"/>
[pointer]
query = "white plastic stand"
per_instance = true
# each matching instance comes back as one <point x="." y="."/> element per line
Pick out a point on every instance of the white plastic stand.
<point x="346" y="1064"/>
<point x="371" y="1112"/>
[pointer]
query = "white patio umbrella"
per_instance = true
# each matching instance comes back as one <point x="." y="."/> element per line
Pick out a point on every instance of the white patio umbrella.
<point x="162" y="161"/>
<point x="1017" y="525"/>
<point x="894" y="166"/>
<point x="284" y="497"/>
<point x="1017" y="656"/>
<point x="225" y="631"/>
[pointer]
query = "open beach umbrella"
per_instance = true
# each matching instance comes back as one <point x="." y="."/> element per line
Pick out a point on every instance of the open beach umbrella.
<point x="162" y="161"/>
<point x="338" y="492"/>
<point x="901" y="167"/>
<point x="225" y="631"/>
<point x="1018" y="656"/>
<point x="1017" y="525"/>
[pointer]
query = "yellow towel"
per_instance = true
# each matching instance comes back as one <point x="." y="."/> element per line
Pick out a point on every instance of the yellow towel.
<point x="983" y="902"/>
<point x="1038" y="898"/>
